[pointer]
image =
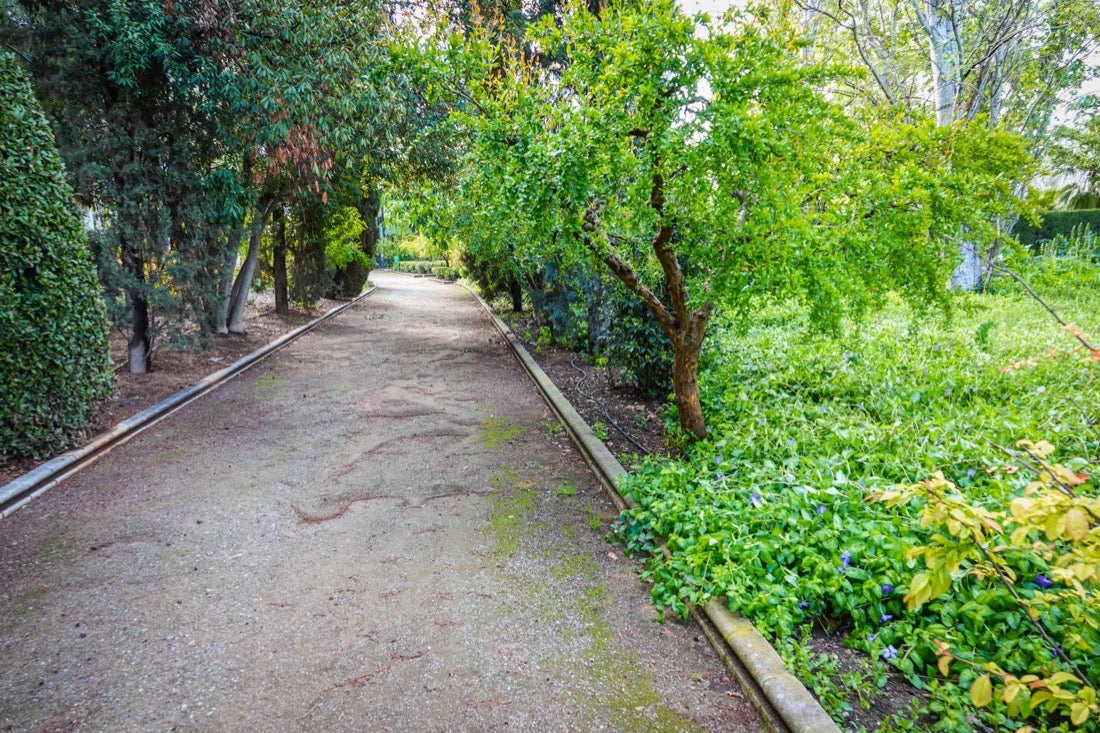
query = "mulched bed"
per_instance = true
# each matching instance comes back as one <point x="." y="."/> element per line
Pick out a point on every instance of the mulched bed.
<point x="627" y="421"/>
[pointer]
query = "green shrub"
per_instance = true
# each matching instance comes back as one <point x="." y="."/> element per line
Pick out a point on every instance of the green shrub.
<point x="1057" y="223"/>
<point x="350" y="266"/>
<point x="420" y="267"/>
<point x="445" y="273"/>
<point x="772" y="511"/>
<point x="54" y="358"/>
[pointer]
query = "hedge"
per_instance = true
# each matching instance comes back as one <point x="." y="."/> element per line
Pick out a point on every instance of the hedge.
<point x="1056" y="223"/>
<point x="420" y="267"/>
<point x="54" y="358"/>
<point x="446" y="273"/>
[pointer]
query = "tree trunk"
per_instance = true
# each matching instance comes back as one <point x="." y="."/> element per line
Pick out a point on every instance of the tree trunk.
<point x="368" y="207"/>
<point x="968" y="275"/>
<point x="278" y="263"/>
<point x="229" y="266"/>
<point x="685" y="386"/>
<point x="140" y="359"/>
<point x="942" y="20"/>
<point x="685" y="328"/>
<point x="516" y="291"/>
<point x="244" y="278"/>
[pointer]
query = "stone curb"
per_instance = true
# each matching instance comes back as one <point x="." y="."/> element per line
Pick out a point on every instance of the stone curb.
<point x="20" y="491"/>
<point x="783" y="701"/>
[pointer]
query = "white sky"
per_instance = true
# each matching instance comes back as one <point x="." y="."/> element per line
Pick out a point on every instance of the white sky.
<point x="714" y="7"/>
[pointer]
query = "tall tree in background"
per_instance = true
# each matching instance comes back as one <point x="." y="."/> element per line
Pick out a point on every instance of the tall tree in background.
<point x="130" y="86"/>
<point x="315" y="98"/>
<point x="1007" y="64"/>
<point x="701" y="166"/>
<point x="186" y="124"/>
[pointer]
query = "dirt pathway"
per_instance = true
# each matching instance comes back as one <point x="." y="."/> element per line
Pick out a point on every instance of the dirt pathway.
<point x="380" y="528"/>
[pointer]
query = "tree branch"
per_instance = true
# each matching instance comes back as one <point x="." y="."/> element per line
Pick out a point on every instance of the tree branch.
<point x="1076" y="334"/>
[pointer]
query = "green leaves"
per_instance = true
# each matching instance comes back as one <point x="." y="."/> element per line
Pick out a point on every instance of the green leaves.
<point x="54" y="364"/>
<point x="805" y="429"/>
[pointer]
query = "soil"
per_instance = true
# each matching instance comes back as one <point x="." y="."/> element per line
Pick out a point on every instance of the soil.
<point x="631" y="421"/>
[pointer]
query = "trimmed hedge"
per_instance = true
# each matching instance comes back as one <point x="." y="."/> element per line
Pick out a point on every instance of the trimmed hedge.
<point x="54" y="358"/>
<point x="1056" y="223"/>
<point x="420" y="267"/>
<point x="446" y="273"/>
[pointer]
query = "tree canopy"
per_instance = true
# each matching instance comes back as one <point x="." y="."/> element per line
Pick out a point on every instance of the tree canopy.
<point x="706" y="167"/>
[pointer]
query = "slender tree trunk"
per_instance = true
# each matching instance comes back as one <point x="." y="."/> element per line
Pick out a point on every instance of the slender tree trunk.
<point x="515" y="290"/>
<point x="369" y="206"/>
<point x="685" y="328"/>
<point x="140" y="343"/>
<point x="278" y="263"/>
<point x="942" y="20"/>
<point x="229" y="266"/>
<point x="244" y="278"/>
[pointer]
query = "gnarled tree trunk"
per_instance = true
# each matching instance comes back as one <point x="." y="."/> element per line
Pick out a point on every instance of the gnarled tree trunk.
<point x="139" y="351"/>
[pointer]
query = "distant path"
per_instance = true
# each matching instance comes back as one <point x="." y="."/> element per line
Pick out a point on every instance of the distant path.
<point x="377" y="529"/>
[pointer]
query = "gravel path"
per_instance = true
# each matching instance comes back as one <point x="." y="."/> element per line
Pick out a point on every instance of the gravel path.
<point x="379" y="528"/>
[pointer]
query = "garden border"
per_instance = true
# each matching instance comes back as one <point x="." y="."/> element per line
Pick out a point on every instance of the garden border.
<point x="783" y="701"/>
<point x="17" y="493"/>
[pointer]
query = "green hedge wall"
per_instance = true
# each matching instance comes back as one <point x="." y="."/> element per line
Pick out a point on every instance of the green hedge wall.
<point x="420" y="267"/>
<point x="54" y="358"/>
<point x="1056" y="223"/>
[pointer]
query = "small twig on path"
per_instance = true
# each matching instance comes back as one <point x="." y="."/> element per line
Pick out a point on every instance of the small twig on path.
<point x="361" y="680"/>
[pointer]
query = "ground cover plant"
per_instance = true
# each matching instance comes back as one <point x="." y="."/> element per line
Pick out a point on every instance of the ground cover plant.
<point x="922" y="485"/>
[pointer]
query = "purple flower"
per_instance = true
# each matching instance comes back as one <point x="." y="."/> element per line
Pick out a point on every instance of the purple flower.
<point x="889" y="652"/>
<point x="887" y="589"/>
<point x="1043" y="581"/>
<point x="846" y="559"/>
<point x="754" y="500"/>
<point x="885" y="617"/>
<point x="804" y="604"/>
<point x="820" y="510"/>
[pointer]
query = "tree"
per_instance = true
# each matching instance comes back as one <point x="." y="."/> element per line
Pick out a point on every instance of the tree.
<point x="132" y="90"/>
<point x="187" y="124"/>
<point x="703" y="163"/>
<point x="1004" y="62"/>
<point x="54" y="362"/>
<point x="1076" y="151"/>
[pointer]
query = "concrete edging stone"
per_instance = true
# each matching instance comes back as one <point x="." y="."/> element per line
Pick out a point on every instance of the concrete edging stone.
<point x="18" y="492"/>
<point x="783" y="701"/>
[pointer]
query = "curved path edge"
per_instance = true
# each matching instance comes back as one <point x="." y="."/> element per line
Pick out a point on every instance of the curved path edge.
<point x="19" y="492"/>
<point x="783" y="701"/>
